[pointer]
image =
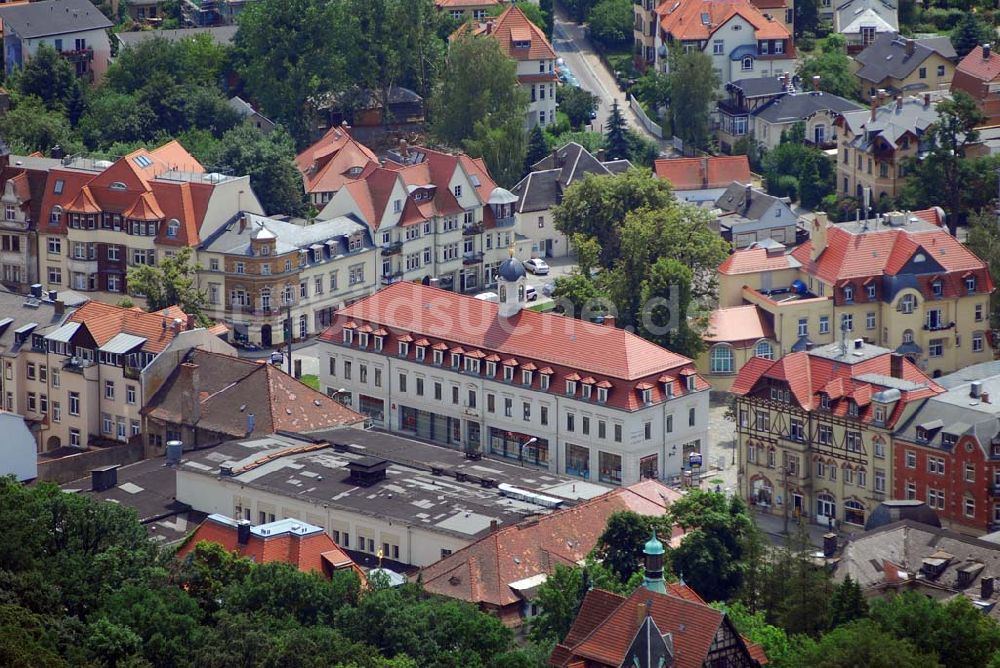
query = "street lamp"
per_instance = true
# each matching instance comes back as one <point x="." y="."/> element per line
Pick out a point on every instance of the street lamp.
<point x="520" y="450"/>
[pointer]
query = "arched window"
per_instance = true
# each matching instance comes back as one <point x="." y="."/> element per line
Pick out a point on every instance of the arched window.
<point x="722" y="359"/>
<point x="265" y="299"/>
<point x="907" y="303"/>
<point x="826" y="507"/>
<point x="854" y="512"/>
<point x="908" y="336"/>
<point x="520" y="293"/>
<point x="503" y="293"/>
<point x="172" y="227"/>
<point x="763" y="350"/>
<point x="747" y="63"/>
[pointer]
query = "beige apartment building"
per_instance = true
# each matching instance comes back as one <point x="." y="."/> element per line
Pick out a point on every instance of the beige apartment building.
<point x="814" y="430"/>
<point x="899" y="281"/>
<point x="257" y="272"/>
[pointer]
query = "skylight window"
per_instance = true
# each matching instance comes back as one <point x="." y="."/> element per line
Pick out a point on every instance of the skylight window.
<point x="118" y="185"/>
<point x="475" y="180"/>
<point x="143" y="161"/>
<point x="706" y="19"/>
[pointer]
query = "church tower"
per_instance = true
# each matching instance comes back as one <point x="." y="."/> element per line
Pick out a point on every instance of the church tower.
<point x="654" y="565"/>
<point x="511" y="282"/>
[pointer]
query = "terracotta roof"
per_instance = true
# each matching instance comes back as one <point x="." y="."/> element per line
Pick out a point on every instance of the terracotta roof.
<point x="755" y="259"/>
<point x="544" y="339"/>
<point x="977" y="67"/>
<point x="229" y="389"/>
<point x="685" y="20"/>
<point x="327" y="165"/>
<point x="105" y="321"/>
<point x="606" y="625"/>
<point x="482" y="571"/>
<point x="306" y="547"/>
<point x="703" y="173"/>
<point x="738" y="323"/>
<point x="513" y="26"/>
<point x="462" y="4"/>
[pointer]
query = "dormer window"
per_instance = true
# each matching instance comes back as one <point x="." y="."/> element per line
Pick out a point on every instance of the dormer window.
<point x="544" y="381"/>
<point x="363" y="339"/>
<point x="421" y="353"/>
<point x="265" y="249"/>
<point x="602" y="395"/>
<point x="526" y="377"/>
<point x="456" y="359"/>
<point x="907" y="304"/>
<point x="508" y="373"/>
<point x="970" y="284"/>
<point x="921" y="434"/>
<point x="871" y="292"/>
<point x="378" y="343"/>
<point x="348" y="335"/>
<point x="949" y="440"/>
<point x="438" y="357"/>
<point x="691" y="383"/>
<point x="668" y="389"/>
<point x="173" y="227"/>
<point x="404" y="348"/>
<point x="647" y="396"/>
<point x="571" y="387"/>
<point x="491" y="369"/>
<point x="848" y="293"/>
<point x="937" y="288"/>
<point x="824" y="401"/>
<point x="118" y="185"/>
<point x="586" y="390"/>
<point x="852" y="408"/>
<point x="471" y="365"/>
<point x="880" y="414"/>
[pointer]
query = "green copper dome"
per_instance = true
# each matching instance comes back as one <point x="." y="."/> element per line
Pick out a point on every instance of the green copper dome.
<point x="653" y="545"/>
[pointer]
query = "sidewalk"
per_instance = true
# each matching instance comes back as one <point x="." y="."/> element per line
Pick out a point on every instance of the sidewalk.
<point x="773" y="526"/>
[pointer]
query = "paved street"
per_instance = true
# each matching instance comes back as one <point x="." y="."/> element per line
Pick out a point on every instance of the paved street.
<point x="571" y="43"/>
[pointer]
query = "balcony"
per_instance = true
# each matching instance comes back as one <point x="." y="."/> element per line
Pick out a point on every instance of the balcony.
<point x="475" y="228"/>
<point x="937" y="327"/>
<point x="131" y="372"/>
<point x="507" y="221"/>
<point x="82" y="265"/>
<point x="394" y="248"/>
<point x="475" y="257"/>
<point x="394" y="277"/>
<point x="76" y="365"/>
<point x="85" y="55"/>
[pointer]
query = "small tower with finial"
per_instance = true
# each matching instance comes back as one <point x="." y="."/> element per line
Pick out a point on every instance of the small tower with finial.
<point x="654" y="565"/>
<point x="511" y="282"/>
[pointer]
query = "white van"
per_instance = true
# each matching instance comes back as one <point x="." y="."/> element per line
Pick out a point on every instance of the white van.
<point x="489" y="297"/>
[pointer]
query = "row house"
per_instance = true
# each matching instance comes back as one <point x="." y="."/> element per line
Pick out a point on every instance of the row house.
<point x="84" y="378"/>
<point x="435" y="217"/>
<point x="329" y="163"/>
<point x="739" y="39"/>
<point x="978" y="75"/>
<point x="947" y="454"/>
<point x="22" y="184"/>
<point x="524" y="42"/>
<point x="557" y="393"/>
<point x="877" y="146"/>
<point x="266" y="278"/>
<point x="899" y="64"/>
<point x="899" y="281"/>
<point x="99" y="217"/>
<point x="814" y="429"/>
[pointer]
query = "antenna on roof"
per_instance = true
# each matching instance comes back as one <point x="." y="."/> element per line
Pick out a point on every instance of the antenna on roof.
<point x="843" y="337"/>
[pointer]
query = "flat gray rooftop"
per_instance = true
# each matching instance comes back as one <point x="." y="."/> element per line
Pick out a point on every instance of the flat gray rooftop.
<point x="836" y="351"/>
<point x="427" y="485"/>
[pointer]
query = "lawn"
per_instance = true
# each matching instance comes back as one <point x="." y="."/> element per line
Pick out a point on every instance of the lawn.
<point x="543" y="307"/>
<point x="312" y="380"/>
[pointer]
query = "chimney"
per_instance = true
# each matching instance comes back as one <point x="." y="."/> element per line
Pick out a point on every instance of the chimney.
<point x="640" y="614"/>
<point x="829" y="545"/>
<point x="403" y="150"/>
<point x="986" y="587"/>
<point x="927" y="100"/>
<point x="190" y="322"/>
<point x="986" y="51"/>
<point x="910" y="47"/>
<point x="975" y="389"/>
<point x="896" y="365"/>
<point x="191" y="400"/>
<point x="787" y="81"/>
<point x="874" y="106"/>
<point x="609" y="321"/>
<point x="177" y="324"/>
<point x="816" y="83"/>
<point x="59" y="306"/>
<point x="899" y="103"/>
<point x="555" y="159"/>
<point x="818" y="234"/>
<point x="489" y="27"/>
<point x="494" y="526"/>
<point x="243" y="222"/>
<point x="242" y="531"/>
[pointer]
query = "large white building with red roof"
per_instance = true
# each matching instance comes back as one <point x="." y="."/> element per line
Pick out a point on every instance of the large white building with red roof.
<point x="435" y="217"/>
<point x="98" y="218"/>
<point x="549" y="391"/>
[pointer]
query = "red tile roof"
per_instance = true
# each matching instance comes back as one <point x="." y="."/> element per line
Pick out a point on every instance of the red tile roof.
<point x="566" y="344"/>
<point x="306" y="547"/>
<point x="481" y="572"/>
<point x="684" y="20"/>
<point x="703" y="173"/>
<point x="513" y="26"/>
<point x="753" y="260"/>
<point x="737" y="324"/>
<point x="606" y="625"/>
<point x="977" y="67"/>
<point x="327" y="165"/>
<point x="105" y="321"/>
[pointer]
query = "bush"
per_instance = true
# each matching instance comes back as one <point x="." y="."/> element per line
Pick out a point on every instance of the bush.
<point x="785" y="186"/>
<point x="943" y="19"/>
<point x="807" y="42"/>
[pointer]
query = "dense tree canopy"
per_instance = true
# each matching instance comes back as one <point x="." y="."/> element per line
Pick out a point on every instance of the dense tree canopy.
<point x="833" y="66"/>
<point x="269" y="161"/>
<point x="693" y="89"/>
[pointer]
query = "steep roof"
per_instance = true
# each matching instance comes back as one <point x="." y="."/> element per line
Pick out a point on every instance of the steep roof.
<point x="886" y="57"/>
<point x="290" y="541"/>
<point x="483" y="571"/>
<point x="689" y="20"/>
<point x="703" y="173"/>
<point x="850" y="16"/>
<point x="746" y="201"/>
<point x="543" y="187"/>
<point x="800" y="106"/>
<point x="977" y="67"/>
<point x="106" y="321"/>
<point x="53" y="17"/>
<point x="333" y="160"/>
<point x="894" y="120"/>
<point x="228" y="389"/>
<point x="513" y="28"/>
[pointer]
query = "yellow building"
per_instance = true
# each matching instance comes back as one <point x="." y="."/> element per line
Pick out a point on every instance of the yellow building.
<point x="814" y="429"/>
<point x="901" y="282"/>
<point x="895" y="64"/>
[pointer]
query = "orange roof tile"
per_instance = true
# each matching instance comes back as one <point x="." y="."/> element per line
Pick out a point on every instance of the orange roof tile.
<point x="510" y="27"/>
<point x="333" y="160"/>
<point x="105" y="321"/>
<point x="977" y="67"/>
<point x="703" y="173"/>
<point x="753" y="260"/>
<point x="685" y="20"/>
<point x="738" y="323"/>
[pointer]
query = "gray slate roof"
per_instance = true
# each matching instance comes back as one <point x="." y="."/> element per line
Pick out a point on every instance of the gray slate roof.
<point x="799" y="106"/>
<point x="231" y="240"/>
<point x="957" y="413"/>
<point x="759" y="86"/>
<point x="22" y="312"/>
<point x="543" y="187"/>
<point x="222" y="35"/>
<point x="886" y="56"/>
<point x="53" y="17"/>
<point x="891" y="123"/>
<point x="734" y="200"/>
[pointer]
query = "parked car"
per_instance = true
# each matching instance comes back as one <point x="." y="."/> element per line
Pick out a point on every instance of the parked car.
<point x="548" y="289"/>
<point x="488" y="297"/>
<point x="565" y="73"/>
<point x="531" y="293"/>
<point x="536" y="265"/>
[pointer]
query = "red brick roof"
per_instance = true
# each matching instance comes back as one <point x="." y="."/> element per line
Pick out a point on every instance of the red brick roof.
<point x="806" y="375"/>
<point x="105" y="321"/>
<point x="738" y="323"/>
<point x="977" y="67"/>
<point x="753" y="260"/>
<point x="684" y="19"/>
<point x="565" y="344"/>
<point x="327" y="165"/>
<point x="888" y="251"/>
<point x="481" y="572"/>
<point x="308" y="550"/>
<point x="512" y="26"/>
<point x="606" y="625"/>
<point x="703" y="173"/>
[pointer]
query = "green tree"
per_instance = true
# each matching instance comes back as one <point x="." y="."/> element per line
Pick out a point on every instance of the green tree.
<point x="693" y="89"/>
<point x="588" y="253"/>
<point x="478" y="85"/>
<point x="958" y="633"/>
<point x="653" y="88"/>
<point x="806" y="17"/>
<point x="620" y="545"/>
<point x="754" y="626"/>
<point x="833" y="66"/>
<point x="969" y="33"/>
<point x="579" y="296"/>
<point x="30" y="127"/>
<point x="269" y="160"/>
<point x="502" y="144"/>
<point x="116" y="117"/>
<point x="49" y="77"/>
<point x="794" y="169"/>
<point x="537" y="149"/>
<point x="710" y="556"/>
<point x="171" y="282"/>
<point x="579" y="9"/>
<point x="803" y="589"/>
<point x="617" y="134"/>
<point x="984" y="241"/>
<point x="847" y="603"/>
<point x="24" y="642"/>
<point x="860" y="643"/>
<point x="610" y="23"/>
<point x="558" y="600"/>
<point x="577" y="104"/>
<point x="665" y="298"/>
<point x="112" y="642"/>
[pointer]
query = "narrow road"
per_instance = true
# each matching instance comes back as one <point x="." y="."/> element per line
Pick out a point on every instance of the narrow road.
<point x="571" y="44"/>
